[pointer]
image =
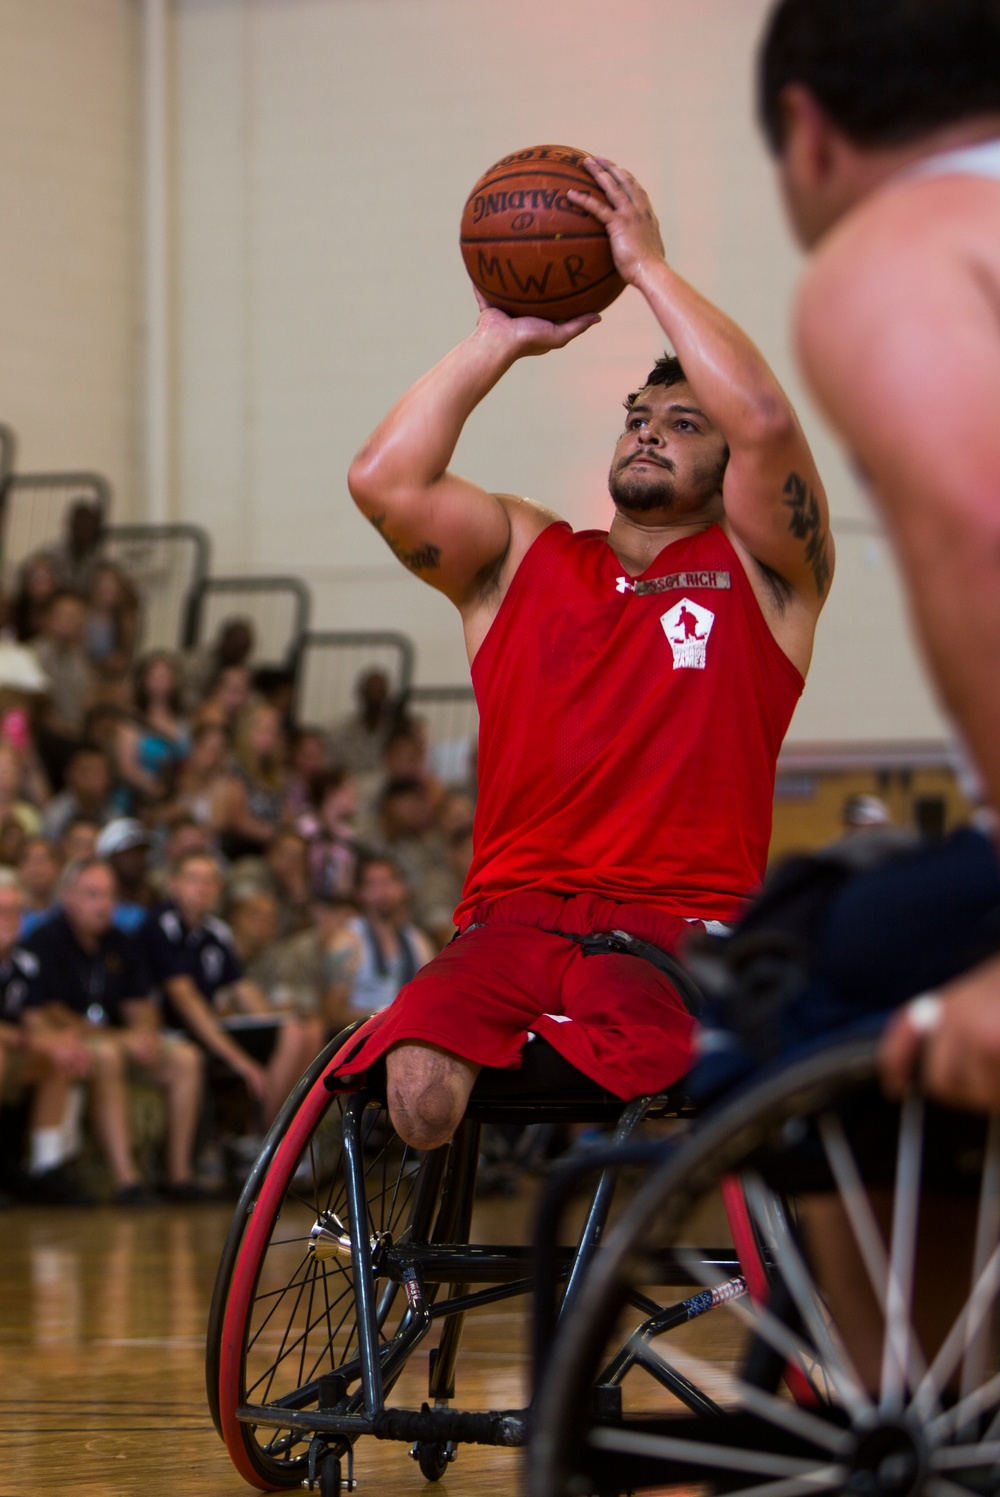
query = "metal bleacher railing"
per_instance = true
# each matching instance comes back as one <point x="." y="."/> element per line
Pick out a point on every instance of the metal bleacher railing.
<point x="164" y="563"/>
<point x="35" y="506"/>
<point x="331" y="661"/>
<point x="452" y="721"/>
<point x="278" y="607"/>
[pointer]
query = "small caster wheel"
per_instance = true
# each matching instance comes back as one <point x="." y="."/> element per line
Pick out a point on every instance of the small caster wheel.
<point x="433" y="1458"/>
<point x="329" y="1477"/>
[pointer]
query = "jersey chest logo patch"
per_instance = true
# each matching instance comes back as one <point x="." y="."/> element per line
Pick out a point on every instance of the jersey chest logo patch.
<point x="211" y="963"/>
<point x="687" y="626"/>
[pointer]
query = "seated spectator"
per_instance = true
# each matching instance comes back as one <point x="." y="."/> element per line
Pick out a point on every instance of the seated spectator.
<point x="16" y="731"/>
<point x="78" y="555"/>
<point x="25" y="1065"/>
<point x="126" y="845"/>
<point x="38" y="871"/>
<point x="87" y="793"/>
<point x="232" y="648"/>
<point x="94" y="1013"/>
<point x="150" y="746"/>
<point x="13" y="838"/>
<point x="358" y="742"/>
<point x="227" y="699"/>
<point x="201" y="776"/>
<point x="405" y="758"/>
<point x="275" y="685"/>
<point x="283" y="873"/>
<point x="12" y="802"/>
<point x="79" y="840"/>
<point x="291" y="973"/>
<point x="333" y="843"/>
<point x="378" y="950"/>
<point x="406" y="833"/>
<point x="37" y="585"/>
<point x="184" y="837"/>
<point x="60" y="653"/>
<point x="192" y="959"/>
<point x="112" y="620"/>
<point x="308" y="761"/>
<point x="456" y="813"/>
<point x="252" y="802"/>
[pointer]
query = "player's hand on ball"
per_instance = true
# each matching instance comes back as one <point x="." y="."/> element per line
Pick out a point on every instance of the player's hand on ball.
<point x="530" y="335"/>
<point x="626" y="213"/>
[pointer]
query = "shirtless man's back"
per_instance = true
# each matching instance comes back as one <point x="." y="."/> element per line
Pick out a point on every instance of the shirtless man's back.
<point x="885" y="119"/>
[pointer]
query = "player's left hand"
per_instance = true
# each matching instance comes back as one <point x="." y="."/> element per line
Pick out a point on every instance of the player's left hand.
<point x="953" y="1051"/>
<point x="626" y="213"/>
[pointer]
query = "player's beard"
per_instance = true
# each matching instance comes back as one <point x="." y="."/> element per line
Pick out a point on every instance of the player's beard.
<point x="642" y="491"/>
<point x="646" y="490"/>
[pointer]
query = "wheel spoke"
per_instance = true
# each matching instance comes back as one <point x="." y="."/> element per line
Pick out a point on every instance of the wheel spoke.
<point x="974" y="1312"/>
<point x="849" y="1386"/>
<point x="756" y="1401"/>
<point x="721" y="1457"/>
<point x="940" y="1486"/>
<point x="978" y="1402"/>
<point x="902" y="1255"/>
<point x="987" y="1236"/>
<point x="757" y="1318"/>
<point x="955" y="1457"/>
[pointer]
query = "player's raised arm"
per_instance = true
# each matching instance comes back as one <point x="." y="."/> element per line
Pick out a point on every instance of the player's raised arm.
<point x="774" y="500"/>
<point x="448" y="531"/>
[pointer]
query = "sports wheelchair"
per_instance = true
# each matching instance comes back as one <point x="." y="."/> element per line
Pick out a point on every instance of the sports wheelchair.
<point x="348" y="1249"/>
<point x="788" y="1400"/>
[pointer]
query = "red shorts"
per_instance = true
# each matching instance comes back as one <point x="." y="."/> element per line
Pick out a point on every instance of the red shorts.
<point x="509" y="974"/>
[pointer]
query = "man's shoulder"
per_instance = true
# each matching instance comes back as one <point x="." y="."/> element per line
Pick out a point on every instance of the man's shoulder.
<point x="164" y="922"/>
<point x="50" y="936"/>
<point x="218" y="931"/>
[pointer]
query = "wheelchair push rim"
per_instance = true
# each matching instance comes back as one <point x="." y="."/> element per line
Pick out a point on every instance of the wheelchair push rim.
<point x="918" y="1424"/>
<point x="284" y="1314"/>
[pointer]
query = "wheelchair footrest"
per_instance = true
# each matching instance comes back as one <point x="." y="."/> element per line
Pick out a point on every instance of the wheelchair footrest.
<point x="500" y="1427"/>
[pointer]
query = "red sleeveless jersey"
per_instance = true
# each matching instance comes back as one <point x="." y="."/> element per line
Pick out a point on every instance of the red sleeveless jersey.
<point x="629" y="728"/>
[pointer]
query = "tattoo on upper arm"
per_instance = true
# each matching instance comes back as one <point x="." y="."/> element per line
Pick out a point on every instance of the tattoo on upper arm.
<point x="424" y="559"/>
<point x="806" y="525"/>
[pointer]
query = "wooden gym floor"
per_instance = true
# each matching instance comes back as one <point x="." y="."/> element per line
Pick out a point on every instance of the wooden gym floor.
<point x="102" y="1322"/>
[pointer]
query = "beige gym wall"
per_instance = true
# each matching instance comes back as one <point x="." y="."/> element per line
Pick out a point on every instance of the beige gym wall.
<point x="321" y="152"/>
<point x="325" y="148"/>
<point x="68" y="245"/>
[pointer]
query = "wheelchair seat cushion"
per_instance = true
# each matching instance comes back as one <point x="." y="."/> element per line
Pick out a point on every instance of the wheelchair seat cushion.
<point x="613" y="1016"/>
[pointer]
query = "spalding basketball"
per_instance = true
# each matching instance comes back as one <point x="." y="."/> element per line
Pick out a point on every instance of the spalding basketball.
<point x="529" y="250"/>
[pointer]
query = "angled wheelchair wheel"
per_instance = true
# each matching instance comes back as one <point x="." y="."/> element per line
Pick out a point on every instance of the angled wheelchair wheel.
<point x="284" y="1320"/>
<point x="870" y="1364"/>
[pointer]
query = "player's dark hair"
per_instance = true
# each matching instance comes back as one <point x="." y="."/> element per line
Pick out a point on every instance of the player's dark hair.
<point x="885" y="71"/>
<point x="666" y="371"/>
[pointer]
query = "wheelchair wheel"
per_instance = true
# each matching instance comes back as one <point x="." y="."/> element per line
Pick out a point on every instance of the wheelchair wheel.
<point x="808" y="1393"/>
<point x="283" y="1325"/>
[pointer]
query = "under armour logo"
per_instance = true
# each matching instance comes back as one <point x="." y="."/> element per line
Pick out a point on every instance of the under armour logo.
<point x="625" y="585"/>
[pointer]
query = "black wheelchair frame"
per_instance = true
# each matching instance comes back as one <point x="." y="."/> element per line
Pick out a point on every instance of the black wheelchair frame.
<point x="297" y="1417"/>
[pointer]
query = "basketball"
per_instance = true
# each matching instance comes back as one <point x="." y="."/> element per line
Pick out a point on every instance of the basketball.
<point x="528" y="249"/>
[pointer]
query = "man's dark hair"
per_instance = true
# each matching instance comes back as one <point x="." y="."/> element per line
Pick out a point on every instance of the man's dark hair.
<point x="885" y="71"/>
<point x="376" y="860"/>
<point x="666" y="371"/>
<point x="404" y="784"/>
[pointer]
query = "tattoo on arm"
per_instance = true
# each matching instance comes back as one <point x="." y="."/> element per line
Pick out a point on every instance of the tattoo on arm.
<point x="424" y="558"/>
<point x="806" y="525"/>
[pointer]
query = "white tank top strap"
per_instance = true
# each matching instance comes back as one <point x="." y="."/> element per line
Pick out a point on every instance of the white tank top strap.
<point x="982" y="160"/>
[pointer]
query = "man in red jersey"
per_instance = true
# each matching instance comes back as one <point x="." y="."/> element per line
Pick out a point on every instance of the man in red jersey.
<point x="634" y="687"/>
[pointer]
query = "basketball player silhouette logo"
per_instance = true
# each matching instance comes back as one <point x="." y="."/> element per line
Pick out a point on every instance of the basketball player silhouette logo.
<point x="687" y="626"/>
